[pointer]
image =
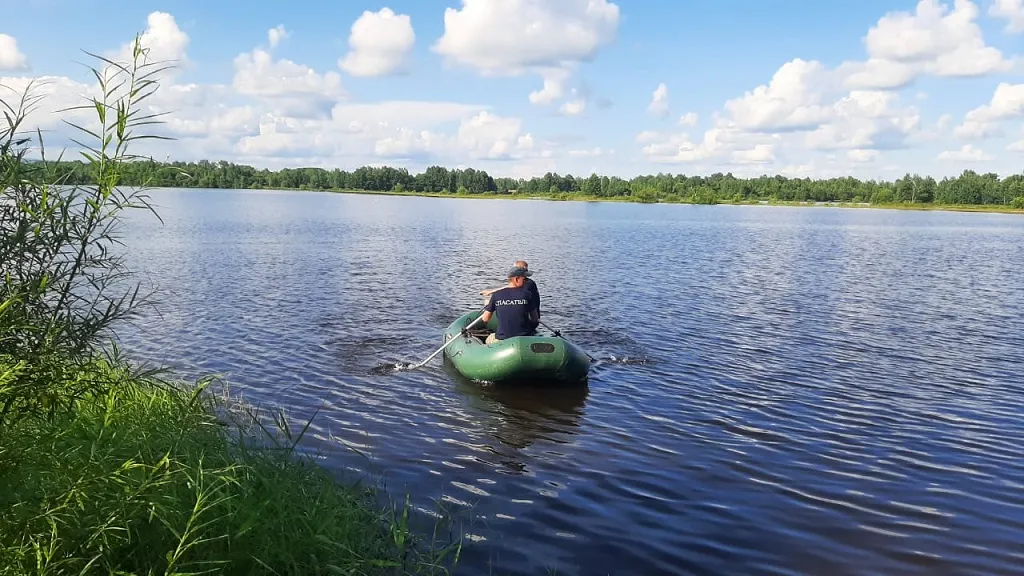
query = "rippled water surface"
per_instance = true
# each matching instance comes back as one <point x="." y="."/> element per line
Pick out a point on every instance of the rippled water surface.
<point x="780" y="391"/>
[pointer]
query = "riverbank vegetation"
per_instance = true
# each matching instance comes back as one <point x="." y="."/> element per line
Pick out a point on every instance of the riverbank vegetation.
<point x="109" y="468"/>
<point x="968" y="189"/>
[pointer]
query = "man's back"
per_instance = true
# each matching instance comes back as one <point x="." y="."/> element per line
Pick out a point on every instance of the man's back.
<point x="532" y="287"/>
<point x="514" y="307"/>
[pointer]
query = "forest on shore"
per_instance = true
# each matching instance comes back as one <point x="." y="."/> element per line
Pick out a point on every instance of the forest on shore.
<point x="969" y="188"/>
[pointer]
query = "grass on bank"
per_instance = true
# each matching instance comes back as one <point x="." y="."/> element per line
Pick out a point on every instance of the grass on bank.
<point x="156" y="478"/>
<point x="107" y="470"/>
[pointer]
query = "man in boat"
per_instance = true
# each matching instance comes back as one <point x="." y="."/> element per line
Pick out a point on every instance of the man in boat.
<point x="530" y="285"/>
<point x="518" y="311"/>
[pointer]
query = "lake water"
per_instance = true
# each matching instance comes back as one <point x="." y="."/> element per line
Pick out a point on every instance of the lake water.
<point x="780" y="391"/>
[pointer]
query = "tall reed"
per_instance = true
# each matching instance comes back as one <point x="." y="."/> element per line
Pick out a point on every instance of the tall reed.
<point x="64" y="284"/>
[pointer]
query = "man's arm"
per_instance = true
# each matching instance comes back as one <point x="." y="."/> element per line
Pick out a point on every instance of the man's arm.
<point x="488" y="310"/>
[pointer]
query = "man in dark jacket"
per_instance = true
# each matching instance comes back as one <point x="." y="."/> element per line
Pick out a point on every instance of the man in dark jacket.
<point x="516" y="308"/>
<point x="530" y="285"/>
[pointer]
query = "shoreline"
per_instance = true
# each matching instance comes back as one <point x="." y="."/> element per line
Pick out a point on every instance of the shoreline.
<point x="568" y="197"/>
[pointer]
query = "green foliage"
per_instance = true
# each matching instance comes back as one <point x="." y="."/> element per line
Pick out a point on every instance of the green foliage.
<point x="145" y="479"/>
<point x="63" y="285"/>
<point x="703" y="195"/>
<point x="1018" y="203"/>
<point x="107" y="470"/>
<point x="967" y="188"/>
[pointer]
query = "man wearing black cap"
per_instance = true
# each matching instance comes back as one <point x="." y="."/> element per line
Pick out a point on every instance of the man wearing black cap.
<point x="516" y="306"/>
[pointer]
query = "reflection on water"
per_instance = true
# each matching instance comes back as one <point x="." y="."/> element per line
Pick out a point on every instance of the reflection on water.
<point x="519" y="415"/>
<point x="778" y="390"/>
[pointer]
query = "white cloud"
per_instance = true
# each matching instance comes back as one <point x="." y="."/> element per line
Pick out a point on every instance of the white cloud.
<point x="648" y="136"/>
<point x="380" y="42"/>
<point x="805" y="119"/>
<point x="276" y="35"/>
<point x="589" y="153"/>
<point x="863" y="156"/>
<point x="258" y="74"/>
<point x="792" y="100"/>
<point x="688" y="119"/>
<point x="10" y="57"/>
<point x="553" y="88"/>
<point x="163" y="39"/>
<point x="573" y="107"/>
<point x="807" y="109"/>
<point x="510" y="36"/>
<point x="55" y="93"/>
<point x="397" y="130"/>
<point x="1012" y="11"/>
<point x="488" y="135"/>
<point x="725" y="145"/>
<point x="484" y="136"/>
<point x="865" y="120"/>
<point x="983" y="122"/>
<point x="759" y="154"/>
<point x="515" y="37"/>
<point x="877" y="74"/>
<point x="277" y="112"/>
<point x="659" y="101"/>
<point x="968" y="153"/>
<point x="934" y="40"/>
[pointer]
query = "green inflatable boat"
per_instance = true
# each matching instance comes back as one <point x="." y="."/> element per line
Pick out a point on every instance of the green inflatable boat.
<point x="522" y="359"/>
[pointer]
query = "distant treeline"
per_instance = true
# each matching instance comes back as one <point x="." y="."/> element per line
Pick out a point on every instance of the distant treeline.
<point x="968" y="188"/>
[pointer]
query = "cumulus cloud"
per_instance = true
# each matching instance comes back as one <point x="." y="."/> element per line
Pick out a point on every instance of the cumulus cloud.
<point x="10" y="57"/>
<point x="806" y="108"/>
<point x="163" y="40"/>
<point x="862" y="156"/>
<point x="589" y="152"/>
<point x="967" y="153"/>
<point x="866" y="120"/>
<point x="515" y="37"/>
<point x="276" y="35"/>
<point x="659" y="101"/>
<point x="379" y="44"/>
<point x="723" y="145"/>
<point x="934" y="39"/>
<point x="805" y="119"/>
<point x="293" y="86"/>
<point x="398" y="130"/>
<point x="1012" y="11"/>
<point x="511" y="36"/>
<point x="983" y="122"/>
<point x="573" y="107"/>
<point x="554" y="86"/>
<point x="688" y="119"/>
<point x="55" y="93"/>
<point x="792" y="100"/>
<point x="276" y="112"/>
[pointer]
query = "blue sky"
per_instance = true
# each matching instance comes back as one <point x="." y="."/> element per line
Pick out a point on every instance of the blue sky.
<point x="926" y="101"/>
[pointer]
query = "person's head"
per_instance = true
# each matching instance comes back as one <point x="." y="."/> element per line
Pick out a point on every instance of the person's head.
<point x="521" y="264"/>
<point x="517" y="276"/>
